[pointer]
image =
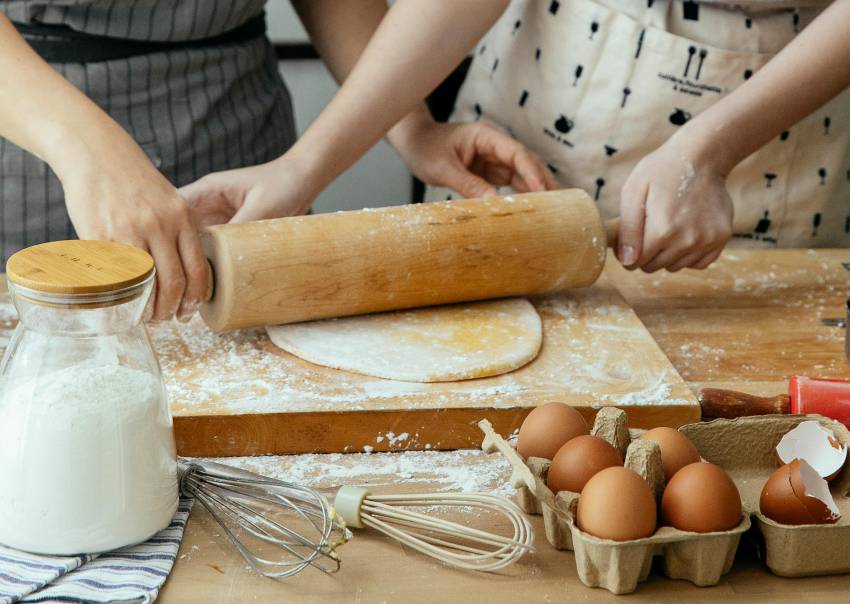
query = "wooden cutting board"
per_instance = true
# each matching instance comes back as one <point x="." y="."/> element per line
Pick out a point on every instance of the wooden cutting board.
<point x="236" y="394"/>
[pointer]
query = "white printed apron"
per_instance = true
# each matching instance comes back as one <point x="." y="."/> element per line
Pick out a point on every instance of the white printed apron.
<point x="593" y="86"/>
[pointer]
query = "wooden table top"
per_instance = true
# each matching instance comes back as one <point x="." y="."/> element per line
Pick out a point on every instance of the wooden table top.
<point x="748" y="322"/>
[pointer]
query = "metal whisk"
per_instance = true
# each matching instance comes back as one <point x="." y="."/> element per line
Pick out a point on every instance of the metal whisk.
<point x="453" y="543"/>
<point x="279" y="528"/>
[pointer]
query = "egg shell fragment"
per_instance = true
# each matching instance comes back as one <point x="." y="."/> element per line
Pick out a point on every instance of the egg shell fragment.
<point x="815" y="444"/>
<point x="795" y="494"/>
<point x="547" y="428"/>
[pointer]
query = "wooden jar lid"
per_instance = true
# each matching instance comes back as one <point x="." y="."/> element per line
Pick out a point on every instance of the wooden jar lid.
<point x="79" y="267"/>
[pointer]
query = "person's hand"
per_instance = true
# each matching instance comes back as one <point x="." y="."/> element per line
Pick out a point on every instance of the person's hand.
<point x="122" y="197"/>
<point x="470" y="158"/>
<point x="271" y="190"/>
<point x="675" y="211"/>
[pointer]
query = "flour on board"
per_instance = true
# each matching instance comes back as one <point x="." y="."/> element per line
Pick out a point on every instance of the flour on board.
<point x="592" y="344"/>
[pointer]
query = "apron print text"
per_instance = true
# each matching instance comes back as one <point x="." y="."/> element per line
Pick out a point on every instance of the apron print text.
<point x="688" y="82"/>
<point x="562" y="125"/>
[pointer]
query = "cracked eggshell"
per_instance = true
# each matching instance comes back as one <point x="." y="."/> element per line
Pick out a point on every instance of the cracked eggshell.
<point x="796" y="494"/>
<point x="817" y="445"/>
<point x="547" y="428"/>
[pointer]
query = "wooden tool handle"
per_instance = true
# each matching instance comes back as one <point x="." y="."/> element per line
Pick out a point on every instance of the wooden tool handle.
<point x="730" y="404"/>
<point x="347" y="263"/>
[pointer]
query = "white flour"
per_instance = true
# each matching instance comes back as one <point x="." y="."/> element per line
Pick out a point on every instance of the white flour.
<point x="464" y="470"/>
<point x="686" y="179"/>
<point x="87" y="460"/>
<point x="592" y="331"/>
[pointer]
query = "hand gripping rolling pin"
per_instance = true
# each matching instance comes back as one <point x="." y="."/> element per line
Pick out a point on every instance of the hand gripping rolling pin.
<point x="348" y="263"/>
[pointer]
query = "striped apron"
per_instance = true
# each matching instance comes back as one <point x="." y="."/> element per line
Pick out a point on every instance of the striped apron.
<point x="193" y="109"/>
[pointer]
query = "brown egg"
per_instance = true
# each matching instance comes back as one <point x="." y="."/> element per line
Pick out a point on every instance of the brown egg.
<point x="786" y="499"/>
<point x="701" y="498"/>
<point x="617" y="504"/>
<point x="547" y="428"/>
<point x="677" y="450"/>
<point x="578" y="460"/>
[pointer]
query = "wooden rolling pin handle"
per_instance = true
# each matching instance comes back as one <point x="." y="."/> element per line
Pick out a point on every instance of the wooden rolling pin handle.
<point x="612" y="232"/>
<point x="730" y="404"/>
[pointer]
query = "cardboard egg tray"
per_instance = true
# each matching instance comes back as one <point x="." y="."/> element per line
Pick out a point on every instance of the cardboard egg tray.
<point x="744" y="447"/>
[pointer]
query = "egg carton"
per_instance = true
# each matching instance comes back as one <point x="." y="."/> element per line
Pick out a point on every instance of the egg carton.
<point x="744" y="447"/>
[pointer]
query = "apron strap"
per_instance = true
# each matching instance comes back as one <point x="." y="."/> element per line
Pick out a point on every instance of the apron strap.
<point x="61" y="44"/>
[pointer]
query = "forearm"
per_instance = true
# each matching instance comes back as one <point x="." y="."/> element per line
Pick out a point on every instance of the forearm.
<point x="340" y="30"/>
<point x="42" y="112"/>
<point x="416" y="45"/>
<point x="807" y="73"/>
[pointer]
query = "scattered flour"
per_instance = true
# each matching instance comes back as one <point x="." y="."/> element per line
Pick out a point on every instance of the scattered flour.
<point x="259" y="379"/>
<point x="686" y="179"/>
<point x="761" y="283"/>
<point x="392" y="438"/>
<point x="655" y="394"/>
<point x="457" y="471"/>
<point x="589" y="328"/>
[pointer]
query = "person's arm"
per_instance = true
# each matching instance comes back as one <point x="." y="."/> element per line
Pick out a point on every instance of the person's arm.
<point x="675" y="209"/>
<point x="389" y="61"/>
<point x="112" y="191"/>
<point x="470" y="158"/>
<point x="340" y="31"/>
<point x="416" y="45"/>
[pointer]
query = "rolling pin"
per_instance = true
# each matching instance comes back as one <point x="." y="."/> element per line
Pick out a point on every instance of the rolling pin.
<point x="303" y="268"/>
<point x="830" y="398"/>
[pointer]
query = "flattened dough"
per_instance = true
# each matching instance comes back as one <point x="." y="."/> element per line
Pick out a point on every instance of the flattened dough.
<point x="436" y="344"/>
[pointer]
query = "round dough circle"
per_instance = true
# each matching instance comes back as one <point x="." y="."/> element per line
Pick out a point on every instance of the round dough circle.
<point x="436" y="344"/>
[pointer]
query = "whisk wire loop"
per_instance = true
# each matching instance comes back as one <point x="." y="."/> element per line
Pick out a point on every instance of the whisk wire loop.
<point x="278" y="527"/>
<point x="446" y="540"/>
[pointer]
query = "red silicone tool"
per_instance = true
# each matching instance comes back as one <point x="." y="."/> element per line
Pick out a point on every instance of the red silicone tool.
<point x="830" y="398"/>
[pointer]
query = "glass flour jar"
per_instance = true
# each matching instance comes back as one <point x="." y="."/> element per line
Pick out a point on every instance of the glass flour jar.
<point x="87" y="455"/>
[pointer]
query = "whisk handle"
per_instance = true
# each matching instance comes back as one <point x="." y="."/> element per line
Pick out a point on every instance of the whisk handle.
<point x="348" y="502"/>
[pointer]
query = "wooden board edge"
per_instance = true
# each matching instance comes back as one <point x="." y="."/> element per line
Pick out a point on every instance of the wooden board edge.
<point x="378" y="431"/>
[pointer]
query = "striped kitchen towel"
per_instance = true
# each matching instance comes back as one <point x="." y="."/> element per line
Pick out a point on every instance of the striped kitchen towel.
<point x="130" y="574"/>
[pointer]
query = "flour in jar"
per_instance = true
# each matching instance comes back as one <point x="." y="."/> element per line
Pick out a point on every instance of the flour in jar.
<point x="87" y="460"/>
